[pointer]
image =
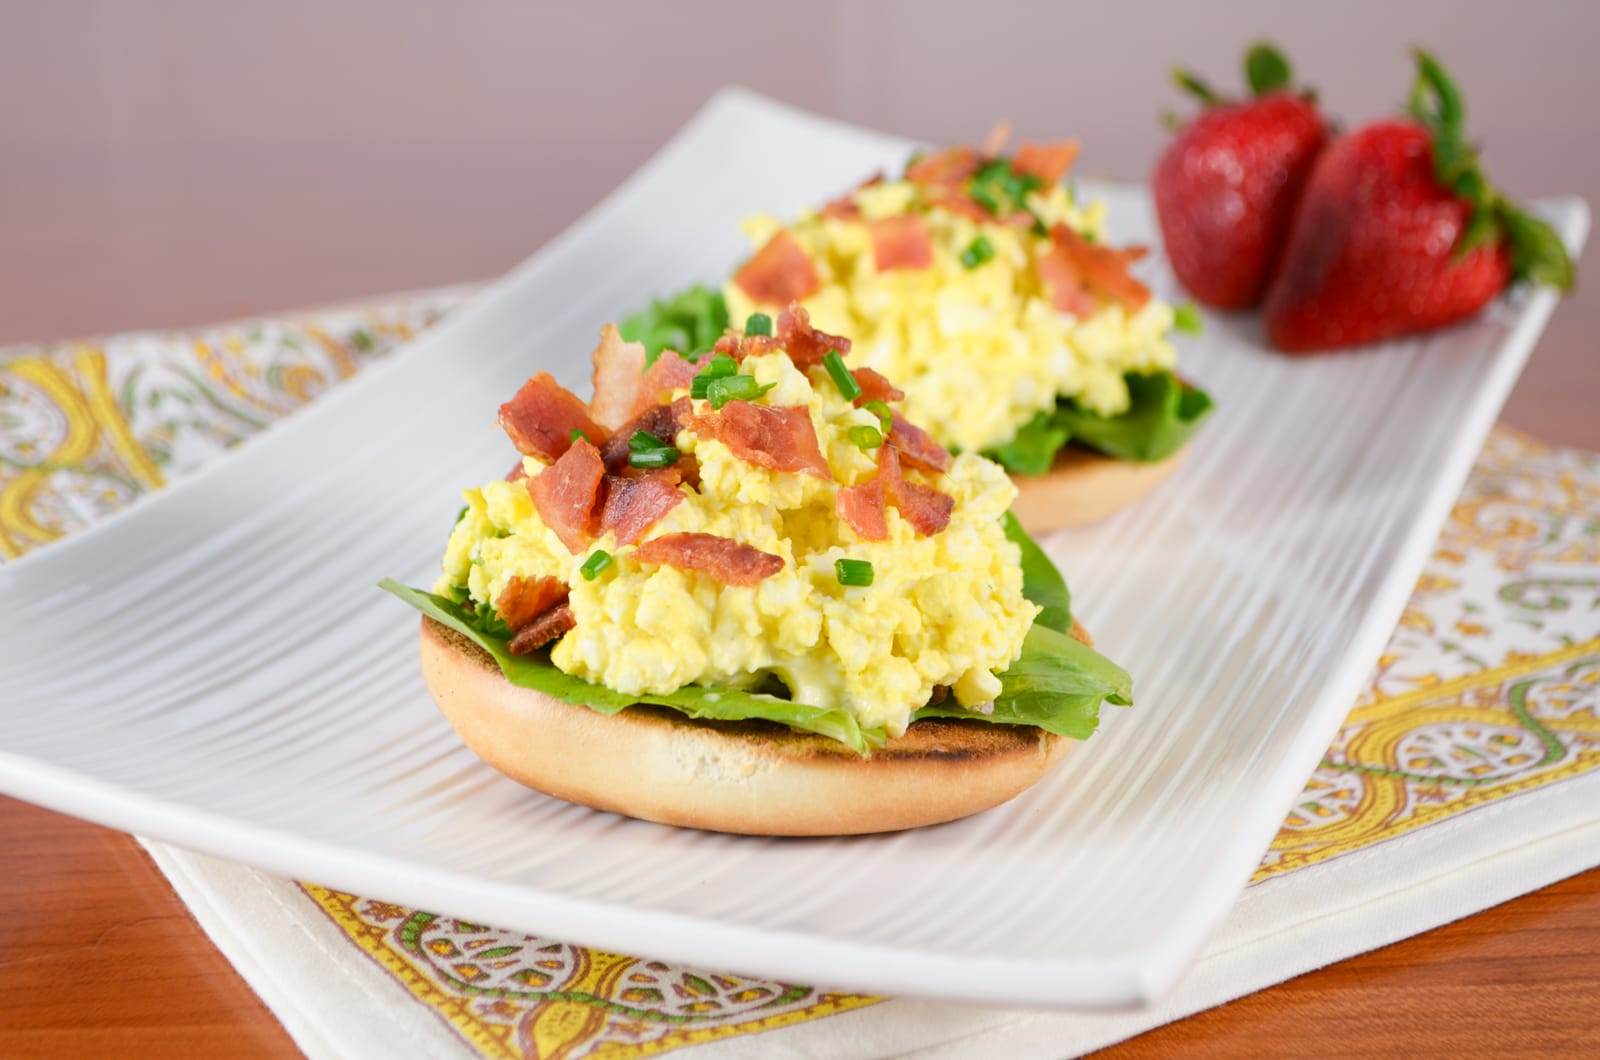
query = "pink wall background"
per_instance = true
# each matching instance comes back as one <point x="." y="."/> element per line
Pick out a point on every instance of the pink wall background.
<point x="168" y="163"/>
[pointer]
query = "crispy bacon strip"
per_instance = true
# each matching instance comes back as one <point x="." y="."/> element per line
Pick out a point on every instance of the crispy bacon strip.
<point x="805" y="345"/>
<point x="862" y="508"/>
<point x="1063" y="285"/>
<point x="663" y="421"/>
<point x="1104" y="270"/>
<point x="958" y="202"/>
<point x="901" y="242"/>
<point x="844" y="207"/>
<point x="634" y="505"/>
<point x="567" y="493"/>
<point x="525" y="599"/>
<point x="728" y="561"/>
<point x="779" y="273"/>
<point x="542" y="630"/>
<point x="947" y="168"/>
<point x="925" y="508"/>
<point x="740" y="346"/>
<point x="917" y="445"/>
<point x="1049" y="162"/>
<point x="997" y="139"/>
<point x="618" y="378"/>
<point x="541" y="417"/>
<point x="782" y="439"/>
<point x="669" y="372"/>
<point x="875" y="387"/>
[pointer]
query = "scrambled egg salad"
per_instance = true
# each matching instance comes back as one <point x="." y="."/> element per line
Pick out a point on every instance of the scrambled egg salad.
<point x="967" y="322"/>
<point x="943" y="609"/>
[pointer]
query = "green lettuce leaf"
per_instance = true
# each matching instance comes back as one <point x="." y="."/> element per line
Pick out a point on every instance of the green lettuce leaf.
<point x="1041" y="581"/>
<point x="1034" y="449"/>
<point x="715" y="704"/>
<point x="1164" y="412"/>
<point x="689" y="322"/>
<point x="1056" y="683"/>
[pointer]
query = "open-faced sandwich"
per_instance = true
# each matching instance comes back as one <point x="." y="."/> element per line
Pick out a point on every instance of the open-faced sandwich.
<point x="746" y="593"/>
<point x="984" y="287"/>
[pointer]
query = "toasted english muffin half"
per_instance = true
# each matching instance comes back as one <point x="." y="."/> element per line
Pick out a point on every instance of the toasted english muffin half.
<point x="1084" y="487"/>
<point x="752" y="778"/>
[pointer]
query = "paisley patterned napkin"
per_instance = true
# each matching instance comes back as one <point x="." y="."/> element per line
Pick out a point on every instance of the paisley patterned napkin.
<point x="1468" y="772"/>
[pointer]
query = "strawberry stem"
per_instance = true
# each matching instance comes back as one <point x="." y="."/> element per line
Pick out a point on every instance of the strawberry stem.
<point x="1537" y="253"/>
<point x="1197" y="88"/>
<point x="1266" y="69"/>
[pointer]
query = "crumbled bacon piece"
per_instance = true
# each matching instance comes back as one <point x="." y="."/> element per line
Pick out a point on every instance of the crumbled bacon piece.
<point x="875" y="386"/>
<point x="1103" y="269"/>
<point x="634" y="505"/>
<point x="925" y="508"/>
<point x="728" y="561"/>
<point x="740" y="346"/>
<point x="862" y="508"/>
<point x="541" y="417"/>
<point x="1062" y="283"/>
<point x="669" y="372"/>
<point x="782" y="439"/>
<point x="805" y="345"/>
<point x="844" y="208"/>
<point x="542" y="630"/>
<point x="567" y="493"/>
<point x="947" y="168"/>
<point x="779" y="273"/>
<point x="525" y="599"/>
<point x="901" y="242"/>
<point x="917" y="445"/>
<point x="997" y="139"/>
<point x="618" y="378"/>
<point x="958" y="202"/>
<point x="662" y="421"/>
<point x="1048" y="162"/>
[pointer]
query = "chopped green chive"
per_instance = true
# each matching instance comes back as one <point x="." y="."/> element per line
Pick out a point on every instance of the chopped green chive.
<point x="758" y="324"/>
<point x="644" y="441"/>
<point x="864" y="437"/>
<point x="881" y="410"/>
<point x="978" y="251"/>
<point x="841" y="375"/>
<point x="665" y="456"/>
<point x="1186" y="318"/>
<point x="853" y="571"/>
<point x="980" y="195"/>
<point x="574" y="434"/>
<point x="462" y="514"/>
<point x="598" y="561"/>
<point x="720" y="366"/>
<point x="726" y="388"/>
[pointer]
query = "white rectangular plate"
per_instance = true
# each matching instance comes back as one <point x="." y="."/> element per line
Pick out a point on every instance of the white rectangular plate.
<point x="216" y="668"/>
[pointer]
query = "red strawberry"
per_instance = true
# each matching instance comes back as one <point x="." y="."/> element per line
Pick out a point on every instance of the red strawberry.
<point x="1399" y="231"/>
<point x="1226" y="186"/>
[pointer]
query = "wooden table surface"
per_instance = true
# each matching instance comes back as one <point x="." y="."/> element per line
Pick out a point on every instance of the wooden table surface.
<point x="98" y="957"/>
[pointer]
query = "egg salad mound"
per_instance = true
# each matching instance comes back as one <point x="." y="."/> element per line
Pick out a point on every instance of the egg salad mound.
<point x="982" y="286"/>
<point x="919" y="612"/>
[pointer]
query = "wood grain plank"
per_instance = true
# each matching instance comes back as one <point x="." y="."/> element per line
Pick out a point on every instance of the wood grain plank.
<point x="99" y="957"/>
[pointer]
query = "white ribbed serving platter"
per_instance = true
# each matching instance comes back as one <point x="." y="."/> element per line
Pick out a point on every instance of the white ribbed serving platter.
<point x="216" y="667"/>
